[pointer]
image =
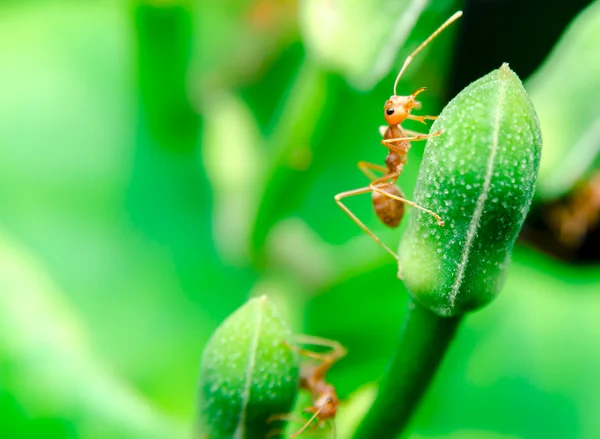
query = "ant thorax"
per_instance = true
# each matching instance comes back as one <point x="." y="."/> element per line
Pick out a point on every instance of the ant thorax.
<point x="396" y="157"/>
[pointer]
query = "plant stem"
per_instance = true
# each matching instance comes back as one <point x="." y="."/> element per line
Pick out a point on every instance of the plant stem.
<point x="423" y="342"/>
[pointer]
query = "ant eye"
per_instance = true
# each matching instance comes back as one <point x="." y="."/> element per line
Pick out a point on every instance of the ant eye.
<point x="390" y="111"/>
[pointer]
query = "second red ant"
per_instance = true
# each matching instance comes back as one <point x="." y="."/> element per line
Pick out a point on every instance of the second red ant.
<point x="312" y="378"/>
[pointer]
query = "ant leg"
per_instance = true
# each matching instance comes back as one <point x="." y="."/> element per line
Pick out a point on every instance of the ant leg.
<point x="312" y="418"/>
<point x="307" y="353"/>
<point x="385" y="180"/>
<point x="337" y="350"/>
<point x="358" y="222"/>
<point x="383" y="128"/>
<point x="283" y="417"/>
<point x="367" y="169"/>
<point x="413" y="133"/>
<point x="287" y="417"/>
<point x="378" y="185"/>
<point x="378" y="189"/>
<point x="421" y="119"/>
<point x="390" y="142"/>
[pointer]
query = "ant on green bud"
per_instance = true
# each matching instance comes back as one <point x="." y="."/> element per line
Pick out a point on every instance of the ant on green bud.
<point x="312" y="378"/>
<point x="387" y="198"/>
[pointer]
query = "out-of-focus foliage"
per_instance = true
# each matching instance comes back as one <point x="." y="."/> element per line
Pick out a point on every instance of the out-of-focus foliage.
<point x="334" y="33"/>
<point x="160" y="162"/>
<point x="51" y="371"/>
<point x="566" y="91"/>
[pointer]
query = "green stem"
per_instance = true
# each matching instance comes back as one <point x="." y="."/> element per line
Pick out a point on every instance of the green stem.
<point x="423" y="342"/>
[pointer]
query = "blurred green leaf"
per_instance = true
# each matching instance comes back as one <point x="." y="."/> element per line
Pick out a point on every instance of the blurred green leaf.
<point x="529" y="356"/>
<point x="145" y="245"/>
<point x="164" y="41"/>
<point x="291" y="151"/>
<point x="468" y="434"/>
<point x="125" y="234"/>
<point x="46" y="365"/>
<point x="235" y="165"/>
<point x="361" y="40"/>
<point x="265" y="27"/>
<point x="566" y="91"/>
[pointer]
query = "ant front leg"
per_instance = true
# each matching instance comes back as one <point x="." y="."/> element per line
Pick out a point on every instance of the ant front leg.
<point x="305" y="426"/>
<point x="337" y="351"/>
<point x="286" y="417"/>
<point x="388" y="143"/>
<point x="421" y="119"/>
<point x="414" y="133"/>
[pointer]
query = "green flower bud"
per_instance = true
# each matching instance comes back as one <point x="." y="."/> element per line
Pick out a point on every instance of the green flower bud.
<point x="249" y="373"/>
<point x="479" y="175"/>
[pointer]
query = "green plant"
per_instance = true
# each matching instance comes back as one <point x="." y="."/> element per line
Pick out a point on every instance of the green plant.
<point x="162" y="162"/>
<point x="479" y="175"/>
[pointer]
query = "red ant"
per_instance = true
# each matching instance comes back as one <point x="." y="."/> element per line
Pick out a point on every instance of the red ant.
<point x="312" y="378"/>
<point x="387" y="198"/>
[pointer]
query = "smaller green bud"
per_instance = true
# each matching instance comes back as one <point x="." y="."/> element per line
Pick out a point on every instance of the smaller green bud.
<point x="249" y="373"/>
<point x="479" y="175"/>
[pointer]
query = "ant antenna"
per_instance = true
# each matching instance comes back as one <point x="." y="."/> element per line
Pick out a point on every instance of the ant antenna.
<point x="312" y="418"/>
<point x="447" y="23"/>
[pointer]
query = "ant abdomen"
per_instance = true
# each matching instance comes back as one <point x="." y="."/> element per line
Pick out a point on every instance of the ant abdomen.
<point x="387" y="198"/>
<point x="389" y="210"/>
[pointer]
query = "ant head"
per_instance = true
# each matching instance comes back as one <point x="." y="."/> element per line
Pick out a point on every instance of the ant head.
<point x="397" y="108"/>
<point x="327" y="406"/>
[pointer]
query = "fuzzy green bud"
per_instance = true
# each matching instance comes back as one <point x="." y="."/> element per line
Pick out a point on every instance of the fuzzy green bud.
<point x="479" y="175"/>
<point x="249" y="373"/>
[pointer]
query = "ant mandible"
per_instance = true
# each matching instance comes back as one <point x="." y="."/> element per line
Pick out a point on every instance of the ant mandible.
<point x="387" y="198"/>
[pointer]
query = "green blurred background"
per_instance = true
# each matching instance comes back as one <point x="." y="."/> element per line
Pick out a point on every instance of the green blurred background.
<point x="162" y="161"/>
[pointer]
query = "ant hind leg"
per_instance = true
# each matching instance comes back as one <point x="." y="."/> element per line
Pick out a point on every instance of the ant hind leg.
<point x="376" y="188"/>
<point x="338" y="199"/>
